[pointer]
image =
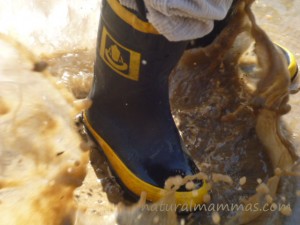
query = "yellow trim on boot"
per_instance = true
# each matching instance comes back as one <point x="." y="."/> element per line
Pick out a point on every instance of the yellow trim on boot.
<point x="189" y="199"/>
<point x="293" y="67"/>
<point x="131" y="19"/>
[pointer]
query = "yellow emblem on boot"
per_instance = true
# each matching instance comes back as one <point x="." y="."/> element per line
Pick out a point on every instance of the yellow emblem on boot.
<point x="122" y="60"/>
<point x="115" y="58"/>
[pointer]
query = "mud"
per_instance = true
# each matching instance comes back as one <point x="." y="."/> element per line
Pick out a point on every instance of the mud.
<point x="214" y="92"/>
<point x="41" y="160"/>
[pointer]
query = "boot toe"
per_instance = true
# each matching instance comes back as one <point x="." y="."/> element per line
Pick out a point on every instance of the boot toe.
<point x="140" y="175"/>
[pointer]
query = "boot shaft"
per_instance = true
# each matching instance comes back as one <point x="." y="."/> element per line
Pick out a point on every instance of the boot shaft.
<point x="132" y="57"/>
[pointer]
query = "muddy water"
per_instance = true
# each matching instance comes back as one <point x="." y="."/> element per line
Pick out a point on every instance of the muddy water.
<point x="232" y="148"/>
<point x="279" y="19"/>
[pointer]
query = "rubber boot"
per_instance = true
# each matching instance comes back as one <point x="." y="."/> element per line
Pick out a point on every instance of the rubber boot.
<point x="130" y="117"/>
<point x="290" y="60"/>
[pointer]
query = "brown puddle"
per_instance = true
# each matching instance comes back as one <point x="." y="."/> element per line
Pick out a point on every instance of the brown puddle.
<point x="228" y="116"/>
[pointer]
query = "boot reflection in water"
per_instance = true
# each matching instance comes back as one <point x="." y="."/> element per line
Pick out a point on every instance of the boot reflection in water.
<point x="130" y="117"/>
